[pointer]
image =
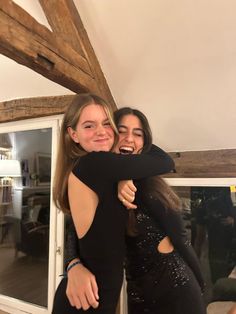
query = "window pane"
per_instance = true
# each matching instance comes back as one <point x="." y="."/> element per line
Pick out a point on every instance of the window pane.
<point x="24" y="218"/>
<point x="210" y="217"/>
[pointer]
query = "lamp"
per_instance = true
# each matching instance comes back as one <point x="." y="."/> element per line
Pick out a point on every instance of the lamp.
<point x="10" y="168"/>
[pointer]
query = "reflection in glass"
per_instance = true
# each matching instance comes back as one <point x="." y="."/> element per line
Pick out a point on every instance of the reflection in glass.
<point x="24" y="218"/>
<point x="210" y="217"/>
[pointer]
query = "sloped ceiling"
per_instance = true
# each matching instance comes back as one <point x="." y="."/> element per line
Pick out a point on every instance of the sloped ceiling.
<point x="174" y="60"/>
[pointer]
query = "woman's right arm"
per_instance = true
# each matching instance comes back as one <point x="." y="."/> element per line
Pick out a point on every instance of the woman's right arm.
<point x="82" y="289"/>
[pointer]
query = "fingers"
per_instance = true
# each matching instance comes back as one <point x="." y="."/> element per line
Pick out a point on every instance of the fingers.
<point x="128" y="205"/>
<point x="85" y="304"/>
<point x="91" y="294"/>
<point x="82" y="290"/>
<point x="83" y="299"/>
<point x="127" y="200"/>
<point x="132" y="186"/>
<point x="123" y="197"/>
<point x="93" y="298"/>
<point x="128" y="188"/>
<point x="126" y="193"/>
<point x="95" y="288"/>
<point x="73" y="299"/>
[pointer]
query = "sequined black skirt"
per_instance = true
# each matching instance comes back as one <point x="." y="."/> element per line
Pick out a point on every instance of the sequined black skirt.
<point x="167" y="286"/>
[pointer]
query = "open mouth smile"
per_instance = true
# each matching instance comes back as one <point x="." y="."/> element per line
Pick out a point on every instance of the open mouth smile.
<point x="126" y="150"/>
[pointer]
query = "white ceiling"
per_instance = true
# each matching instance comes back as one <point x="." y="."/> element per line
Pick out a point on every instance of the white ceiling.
<point x="174" y="60"/>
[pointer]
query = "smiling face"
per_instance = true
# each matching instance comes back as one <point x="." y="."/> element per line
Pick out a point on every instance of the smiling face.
<point x="131" y="136"/>
<point x="93" y="131"/>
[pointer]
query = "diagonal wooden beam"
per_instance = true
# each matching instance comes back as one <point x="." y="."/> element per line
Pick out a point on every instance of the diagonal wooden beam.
<point x="58" y="15"/>
<point x="65" y="22"/>
<point x="30" y="24"/>
<point x="26" y="41"/>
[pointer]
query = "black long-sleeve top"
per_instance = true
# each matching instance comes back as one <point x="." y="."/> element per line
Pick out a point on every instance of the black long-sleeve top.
<point x="101" y="171"/>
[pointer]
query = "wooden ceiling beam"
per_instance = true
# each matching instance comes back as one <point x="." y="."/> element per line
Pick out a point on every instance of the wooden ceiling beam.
<point x="27" y="108"/>
<point x="64" y="20"/>
<point x="33" y="45"/>
<point x="64" y="27"/>
<point x="15" y="12"/>
<point x="204" y="164"/>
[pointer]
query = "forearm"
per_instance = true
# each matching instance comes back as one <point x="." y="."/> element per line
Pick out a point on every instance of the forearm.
<point x="71" y="243"/>
<point x="116" y="167"/>
<point x="82" y="289"/>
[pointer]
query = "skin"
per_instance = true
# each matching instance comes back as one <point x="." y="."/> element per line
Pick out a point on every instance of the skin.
<point x="131" y="138"/>
<point x="93" y="130"/>
<point x="83" y="292"/>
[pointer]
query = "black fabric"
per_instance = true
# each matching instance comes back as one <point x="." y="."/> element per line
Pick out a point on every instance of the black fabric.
<point x="102" y="249"/>
<point x="62" y="305"/>
<point x="97" y="167"/>
<point x="172" y="222"/>
<point x="71" y="241"/>
<point x="161" y="282"/>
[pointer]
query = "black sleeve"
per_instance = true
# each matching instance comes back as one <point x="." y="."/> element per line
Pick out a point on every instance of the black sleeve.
<point x="115" y="167"/>
<point x="71" y="242"/>
<point x="172" y="223"/>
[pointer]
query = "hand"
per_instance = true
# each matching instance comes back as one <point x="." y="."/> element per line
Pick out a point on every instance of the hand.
<point x="82" y="289"/>
<point x="126" y="193"/>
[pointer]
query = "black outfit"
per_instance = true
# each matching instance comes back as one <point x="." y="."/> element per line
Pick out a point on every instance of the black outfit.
<point x="102" y="249"/>
<point x="161" y="283"/>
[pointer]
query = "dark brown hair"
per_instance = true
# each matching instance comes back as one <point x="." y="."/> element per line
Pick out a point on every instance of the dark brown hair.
<point x="156" y="187"/>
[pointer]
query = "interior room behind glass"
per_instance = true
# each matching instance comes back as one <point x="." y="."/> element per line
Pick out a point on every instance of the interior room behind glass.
<point x="24" y="215"/>
<point x="209" y="214"/>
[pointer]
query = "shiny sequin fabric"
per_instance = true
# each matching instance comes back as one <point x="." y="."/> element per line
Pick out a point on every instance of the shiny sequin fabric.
<point x="159" y="282"/>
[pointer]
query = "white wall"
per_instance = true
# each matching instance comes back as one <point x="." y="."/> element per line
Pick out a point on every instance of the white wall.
<point x="174" y="60"/>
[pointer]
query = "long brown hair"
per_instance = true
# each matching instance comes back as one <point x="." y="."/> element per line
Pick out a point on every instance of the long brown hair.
<point x="69" y="152"/>
<point x="157" y="188"/>
<point x="153" y="186"/>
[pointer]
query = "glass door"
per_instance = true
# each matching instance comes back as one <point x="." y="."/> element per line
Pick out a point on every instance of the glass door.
<point x="209" y="213"/>
<point x="30" y="234"/>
